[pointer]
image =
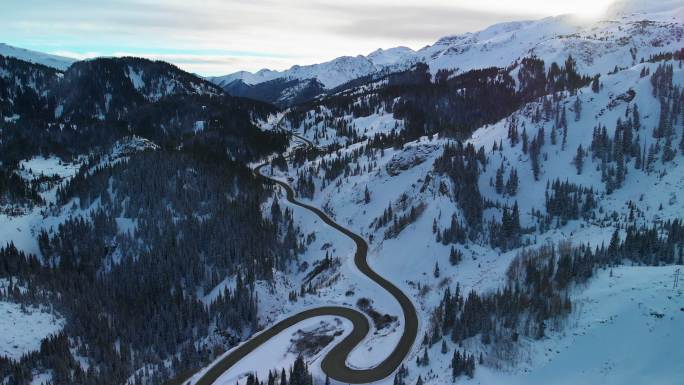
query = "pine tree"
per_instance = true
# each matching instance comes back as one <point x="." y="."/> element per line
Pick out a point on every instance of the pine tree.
<point x="577" y="107"/>
<point x="436" y="271"/>
<point x="535" y="148"/>
<point x="276" y="214"/>
<point x="579" y="159"/>
<point x="515" y="220"/>
<point x="636" y="118"/>
<point x="664" y="123"/>
<point x="596" y="84"/>
<point x="512" y="184"/>
<point x="283" y="377"/>
<point x="499" y="183"/>
<point x="455" y="256"/>
<point x="513" y="132"/>
<point x="668" y="151"/>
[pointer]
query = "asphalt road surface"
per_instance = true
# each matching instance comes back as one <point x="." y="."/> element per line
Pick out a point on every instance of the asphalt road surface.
<point x="334" y="363"/>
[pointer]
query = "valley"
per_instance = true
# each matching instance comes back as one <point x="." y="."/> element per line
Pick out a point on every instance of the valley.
<point x="499" y="207"/>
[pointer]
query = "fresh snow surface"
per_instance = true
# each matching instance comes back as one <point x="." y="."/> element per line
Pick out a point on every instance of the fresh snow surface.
<point x="58" y="62"/>
<point x="47" y="166"/>
<point x="626" y="329"/>
<point x="23" y="329"/>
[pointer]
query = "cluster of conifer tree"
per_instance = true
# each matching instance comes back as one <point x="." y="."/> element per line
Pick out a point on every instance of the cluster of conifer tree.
<point x="332" y="168"/>
<point x="299" y="374"/>
<point x="15" y="190"/>
<point x="506" y="235"/>
<point x="399" y="222"/>
<point x="462" y="363"/>
<point x="54" y="353"/>
<point x="538" y="283"/>
<point x="567" y="201"/>
<point x="624" y="148"/>
<point x="462" y="165"/>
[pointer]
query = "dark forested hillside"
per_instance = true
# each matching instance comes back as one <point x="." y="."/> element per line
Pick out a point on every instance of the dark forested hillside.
<point x="145" y="236"/>
<point x="97" y="102"/>
<point x="193" y="222"/>
<point x="281" y="92"/>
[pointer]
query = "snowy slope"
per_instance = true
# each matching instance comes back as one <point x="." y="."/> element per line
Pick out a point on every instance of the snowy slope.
<point x="247" y="77"/>
<point x="598" y="46"/>
<point x="24" y="327"/>
<point x="592" y="347"/>
<point x="331" y="74"/>
<point x="59" y="62"/>
<point x="626" y="329"/>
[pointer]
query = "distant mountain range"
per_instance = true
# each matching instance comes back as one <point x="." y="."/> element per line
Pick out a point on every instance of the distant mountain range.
<point x="598" y="46"/>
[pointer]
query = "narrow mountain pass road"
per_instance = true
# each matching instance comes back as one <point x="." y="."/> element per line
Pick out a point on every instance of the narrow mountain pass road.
<point x="334" y="363"/>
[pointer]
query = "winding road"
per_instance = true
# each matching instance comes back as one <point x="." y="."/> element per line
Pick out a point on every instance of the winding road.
<point x="334" y="363"/>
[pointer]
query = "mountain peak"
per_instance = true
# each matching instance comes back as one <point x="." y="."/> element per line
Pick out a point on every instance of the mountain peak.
<point x="58" y="62"/>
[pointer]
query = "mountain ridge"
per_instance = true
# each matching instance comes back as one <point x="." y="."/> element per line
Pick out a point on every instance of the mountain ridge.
<point x="598" y="46"/>
<point x="58" y="62"/>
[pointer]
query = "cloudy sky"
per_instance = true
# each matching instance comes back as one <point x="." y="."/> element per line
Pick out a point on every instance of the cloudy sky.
<point x="215" y="37"/>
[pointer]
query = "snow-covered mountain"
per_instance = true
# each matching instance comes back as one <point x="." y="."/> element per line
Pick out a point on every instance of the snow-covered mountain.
<point x="396" y="197"/>
<point x="584" y="162"/>
<point x="331" y="74"/>
<point x="301" y="83"/>
<point x="629" y="31"/>
<point x="618" y="39"/>
<point x="54" y="61"/>
<point x="521" y="185"/>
